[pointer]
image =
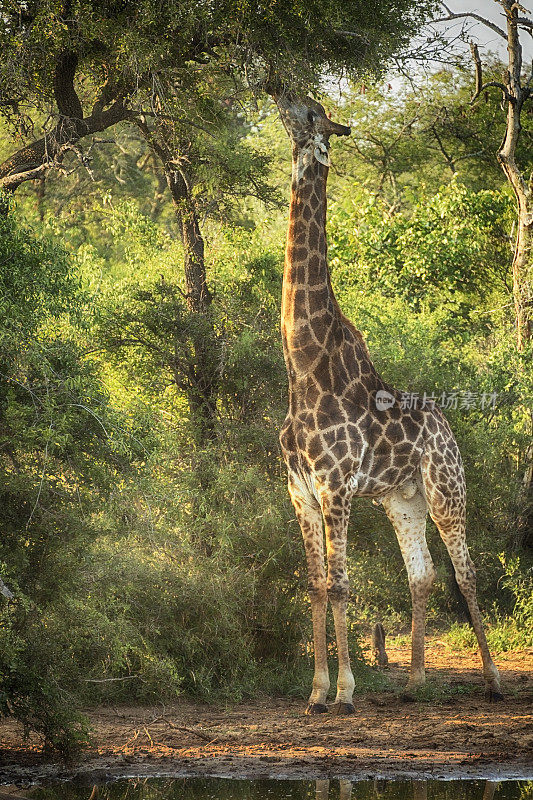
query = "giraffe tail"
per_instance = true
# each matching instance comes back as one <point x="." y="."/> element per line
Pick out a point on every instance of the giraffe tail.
<point x="378" y="645"/>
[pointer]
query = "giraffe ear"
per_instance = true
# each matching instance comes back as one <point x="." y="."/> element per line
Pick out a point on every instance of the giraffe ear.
<point x="321" y="156"/>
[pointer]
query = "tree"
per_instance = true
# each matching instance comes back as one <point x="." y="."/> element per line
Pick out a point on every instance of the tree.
<point x="59" y="59"/>
<point x="422" y="134"/>
<point x="163" y="63"/>
<point x="447" y="252"/>
<point x="207" y="165"/>
<point x="515" y="93"/>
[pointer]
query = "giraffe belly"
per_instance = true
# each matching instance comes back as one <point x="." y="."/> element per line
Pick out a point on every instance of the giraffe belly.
<point x="361" y="455"/>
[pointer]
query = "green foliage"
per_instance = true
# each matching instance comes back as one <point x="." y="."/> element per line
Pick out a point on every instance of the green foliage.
<point x="57" y="461"/>
<point x="453" y="243"/>
<point x="520" y="584"/>
<point x="292" y="39"/>
<point x="29" y="687"/>
<point x="413" y="137"/>
<point x="36" y="278"/>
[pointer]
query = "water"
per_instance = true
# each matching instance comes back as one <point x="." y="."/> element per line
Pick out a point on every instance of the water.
<point x="230" y="789"/>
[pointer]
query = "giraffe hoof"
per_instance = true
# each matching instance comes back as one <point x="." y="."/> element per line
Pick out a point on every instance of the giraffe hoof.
<point x="493" y="696"/>
<point x="408" y="696"/>
<point x="343" y="709"/>
<point x="316" y="708"/>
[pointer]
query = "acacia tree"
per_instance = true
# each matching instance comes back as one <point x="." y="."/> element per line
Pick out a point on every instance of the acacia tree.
<point x="87" y="65"/>
<point x="413" y="134"/>
<point x="79" y="66"/>
<point x="64" y="59"/>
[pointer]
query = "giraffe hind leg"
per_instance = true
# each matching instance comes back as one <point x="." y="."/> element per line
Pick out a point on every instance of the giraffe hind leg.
<point x="448" y="510"/>
<point x="407" y="509"/>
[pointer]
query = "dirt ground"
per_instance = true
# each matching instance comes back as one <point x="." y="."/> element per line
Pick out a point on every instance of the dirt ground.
<point x="458" y="734"/>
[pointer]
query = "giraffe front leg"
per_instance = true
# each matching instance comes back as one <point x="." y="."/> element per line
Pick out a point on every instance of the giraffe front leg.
<point x="310" y="518"/>
<point x="336" y="523"/>
<point x="319" y="600"/>
<point x="345" y="681"/>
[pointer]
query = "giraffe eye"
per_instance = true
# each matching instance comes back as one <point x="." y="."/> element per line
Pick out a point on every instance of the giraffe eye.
<point x="311" y="115"/>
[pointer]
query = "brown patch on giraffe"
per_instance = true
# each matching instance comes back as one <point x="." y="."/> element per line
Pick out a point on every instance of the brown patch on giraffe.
<point x="394" y="432"/>
<point x="313" y="236"/>
<point x="399" y="460"/>
<point x="395" y="413"/>
<point x="391" y="475"/>
<point x="310" y="352"/>
<point x="322" y="373"/>
<point x="299" y="254"/>
<point x="339" y="450"/>
<point x="312" y="395"/>
<point x="412" y="428"/>
<point x="340" y="376"/>
<point x="431" y="423"/>
<point x="314" y="202"/>
<point x="299" y="297"/>
<point x="316" y="304"/>
<point x="314" y="447"/>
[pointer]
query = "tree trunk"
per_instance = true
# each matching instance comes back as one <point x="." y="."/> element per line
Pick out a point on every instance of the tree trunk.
<point x="515" y="95"/>
<point x="33" y="160"/>
<point x="521" y="271"/>
<point x="524" y="527"/>
<point x="205" y="365"/>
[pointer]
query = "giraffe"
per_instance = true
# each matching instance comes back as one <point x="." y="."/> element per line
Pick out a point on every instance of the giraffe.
<point x="381" y="785"/>
<point x="346" y="434"/>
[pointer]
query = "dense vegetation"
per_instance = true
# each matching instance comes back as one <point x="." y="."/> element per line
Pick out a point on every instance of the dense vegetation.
<point x="147" y="534"/>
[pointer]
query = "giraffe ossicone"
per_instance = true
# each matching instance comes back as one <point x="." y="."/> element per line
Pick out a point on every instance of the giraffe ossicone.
<point x="347" y="435"/>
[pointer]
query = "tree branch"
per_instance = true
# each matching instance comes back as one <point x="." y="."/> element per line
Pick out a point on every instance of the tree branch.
<point x="496" y="85"/>
<point x="479" y="71"/>
<point x="353" y="35"/>
<point x="47" y="153"/>
<point x="471" y="15"/>
<point x="525" y="22"/>
<point x="480" y="86"/>
<point x="449" y="160"/>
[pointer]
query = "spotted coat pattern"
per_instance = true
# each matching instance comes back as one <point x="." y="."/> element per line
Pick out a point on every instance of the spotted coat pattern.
<point x="338" y="444"/>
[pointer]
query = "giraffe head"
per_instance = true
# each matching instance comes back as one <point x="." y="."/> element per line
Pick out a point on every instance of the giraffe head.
<point x="308" y="125"/>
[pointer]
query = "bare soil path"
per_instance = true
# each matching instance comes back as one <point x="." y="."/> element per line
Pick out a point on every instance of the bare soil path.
<point x="458" y="734"/>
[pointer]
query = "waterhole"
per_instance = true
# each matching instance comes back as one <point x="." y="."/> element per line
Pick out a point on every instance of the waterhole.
<point x="228" y="789"/>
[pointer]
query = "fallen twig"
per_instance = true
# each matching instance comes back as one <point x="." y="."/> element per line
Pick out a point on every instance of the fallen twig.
<point x="181" y="728"/>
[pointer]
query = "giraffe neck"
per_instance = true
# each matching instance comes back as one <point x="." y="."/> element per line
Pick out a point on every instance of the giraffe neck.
<point x="309" y="308"/>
